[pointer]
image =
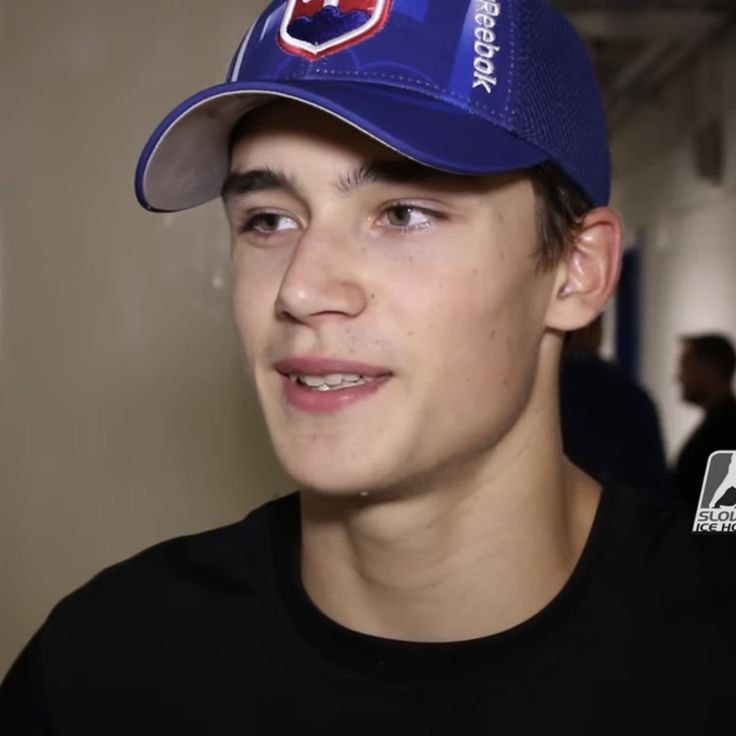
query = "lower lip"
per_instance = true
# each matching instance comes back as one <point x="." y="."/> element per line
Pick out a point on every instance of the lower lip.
<point x="328" y="402"/>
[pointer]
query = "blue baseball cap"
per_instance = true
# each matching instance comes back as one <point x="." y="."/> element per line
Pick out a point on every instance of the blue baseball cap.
<point x="466" y="86"/>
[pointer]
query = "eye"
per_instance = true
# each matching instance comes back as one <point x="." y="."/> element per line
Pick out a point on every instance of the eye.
<point x="266" y="223"/>
<point x="408" y="217"/>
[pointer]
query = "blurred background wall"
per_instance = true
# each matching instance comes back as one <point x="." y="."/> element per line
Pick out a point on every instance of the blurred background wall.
<point x="125" y="417"/>
<point x="675" y="184"/>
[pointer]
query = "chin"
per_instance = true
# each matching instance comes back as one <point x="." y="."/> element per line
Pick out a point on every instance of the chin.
<point x="339" y="461"/>
<point x="335" y="479"/>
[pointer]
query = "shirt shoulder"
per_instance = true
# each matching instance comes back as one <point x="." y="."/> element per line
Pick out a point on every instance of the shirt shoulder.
<point x="229" y="560"/>
<point x="653" y="549"/>
<point x="193" y="601"/>
<point x="167" y="589"/>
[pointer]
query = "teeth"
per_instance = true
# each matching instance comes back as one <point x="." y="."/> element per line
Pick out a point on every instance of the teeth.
<point x="335" y="379"/>
<point x="331" y="381"/>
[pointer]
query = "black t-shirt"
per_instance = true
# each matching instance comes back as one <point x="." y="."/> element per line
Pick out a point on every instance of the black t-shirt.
<point x="214" y="634"/>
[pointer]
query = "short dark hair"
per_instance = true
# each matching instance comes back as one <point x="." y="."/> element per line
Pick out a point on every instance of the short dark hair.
<point x="714" y="350"/>
<point x="561" y="207"/>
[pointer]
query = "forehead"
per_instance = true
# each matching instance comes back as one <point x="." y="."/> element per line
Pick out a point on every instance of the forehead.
<point x="298" y="122"/>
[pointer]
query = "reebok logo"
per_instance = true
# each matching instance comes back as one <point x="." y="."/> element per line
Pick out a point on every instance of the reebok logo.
<point x="487" y="12"/>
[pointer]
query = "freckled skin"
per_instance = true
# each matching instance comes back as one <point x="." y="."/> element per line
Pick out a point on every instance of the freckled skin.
<point x="446" y="302"/>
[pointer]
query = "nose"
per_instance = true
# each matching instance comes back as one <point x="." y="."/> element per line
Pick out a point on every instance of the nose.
<point x="322" y="279"/>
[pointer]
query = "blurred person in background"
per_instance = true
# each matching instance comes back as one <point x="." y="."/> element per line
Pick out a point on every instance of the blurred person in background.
<point x="706" y="370"/>
<point x="610" y="426"/>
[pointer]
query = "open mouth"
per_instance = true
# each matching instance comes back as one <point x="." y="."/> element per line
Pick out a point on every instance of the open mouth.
<point x="331" y="382"/>
<point x="326" y="384"/>
<point x="330" y="393"/>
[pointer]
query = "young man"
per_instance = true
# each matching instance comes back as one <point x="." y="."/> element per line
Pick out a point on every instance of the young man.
<point x="417" y="194"/>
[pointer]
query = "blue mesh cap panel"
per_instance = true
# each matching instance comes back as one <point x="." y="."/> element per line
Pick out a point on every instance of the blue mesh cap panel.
<point x="558" y="104"/>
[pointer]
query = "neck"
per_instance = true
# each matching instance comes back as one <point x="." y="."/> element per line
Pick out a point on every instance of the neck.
<point x="475" y="550"/>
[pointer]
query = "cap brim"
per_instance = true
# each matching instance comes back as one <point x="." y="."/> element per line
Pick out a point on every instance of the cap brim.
<point x="185" y="162"/>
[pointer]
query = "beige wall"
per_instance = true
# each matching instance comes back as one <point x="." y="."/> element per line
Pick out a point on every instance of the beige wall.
<point x="688" y="223"/>
<point x="124" y="414"/>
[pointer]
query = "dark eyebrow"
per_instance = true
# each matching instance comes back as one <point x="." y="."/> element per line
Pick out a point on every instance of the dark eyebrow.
<point x="394" y="172"/>
<point x="239" y="183"/>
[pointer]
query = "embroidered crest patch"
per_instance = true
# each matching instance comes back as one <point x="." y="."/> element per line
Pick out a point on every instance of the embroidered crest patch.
<point x="315" y="28"/>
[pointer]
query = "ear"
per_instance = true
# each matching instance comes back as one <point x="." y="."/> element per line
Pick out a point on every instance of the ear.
<point x="588" y="276"/>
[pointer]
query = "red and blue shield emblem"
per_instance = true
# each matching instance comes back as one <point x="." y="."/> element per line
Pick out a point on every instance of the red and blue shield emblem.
<point x="315" y="28"/>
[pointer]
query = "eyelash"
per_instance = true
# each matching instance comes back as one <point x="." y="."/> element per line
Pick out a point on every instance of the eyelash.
<point x="251" y="219"/>
<point x="248" y="225"/>
<point x="427" y="212"/>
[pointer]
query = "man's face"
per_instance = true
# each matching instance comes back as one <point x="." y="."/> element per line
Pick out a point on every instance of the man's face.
<point x="349" y="259"/>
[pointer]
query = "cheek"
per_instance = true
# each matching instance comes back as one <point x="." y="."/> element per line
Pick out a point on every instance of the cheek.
<point x="252" y="305"/>
<point x="491" y="344"/>
<point x="483" y="343"/>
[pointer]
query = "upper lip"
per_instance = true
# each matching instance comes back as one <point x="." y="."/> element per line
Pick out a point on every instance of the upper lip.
<point x="309" y="365"/>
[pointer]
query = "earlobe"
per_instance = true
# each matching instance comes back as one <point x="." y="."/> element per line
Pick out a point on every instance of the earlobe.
<point x="588" y="276"/>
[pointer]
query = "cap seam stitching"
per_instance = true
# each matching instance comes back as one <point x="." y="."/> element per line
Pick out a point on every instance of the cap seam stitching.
<point x="471" y="104"/>
<point x="512" y="66"/>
